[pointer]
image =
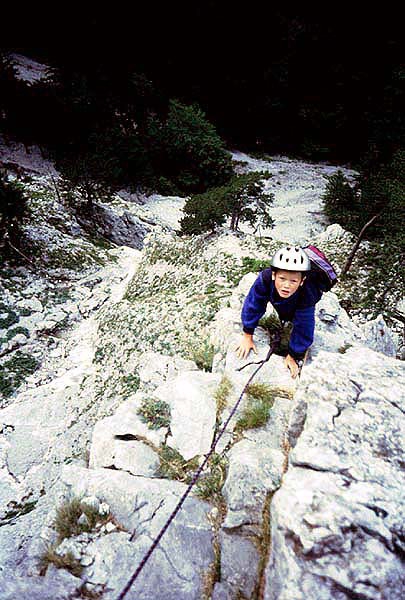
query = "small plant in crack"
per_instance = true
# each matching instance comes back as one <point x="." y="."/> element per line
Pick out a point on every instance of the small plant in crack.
<point x="221" y="394"/>
<point x="260" y="400"/>
<point x="174" y="466"/>
<point x="155" y="413"/>
<point x="209" y="485"/>
<point x="60" y="561"/>
<point x="75" y="516"/>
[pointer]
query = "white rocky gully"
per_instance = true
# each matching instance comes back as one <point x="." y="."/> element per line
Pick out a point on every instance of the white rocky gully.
<point x="309" y="504"/>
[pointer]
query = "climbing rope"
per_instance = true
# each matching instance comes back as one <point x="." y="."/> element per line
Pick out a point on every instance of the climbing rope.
<point x="274" y="343"/>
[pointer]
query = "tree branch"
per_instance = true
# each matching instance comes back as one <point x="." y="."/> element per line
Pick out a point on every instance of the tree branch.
<point x="357" y="244"/>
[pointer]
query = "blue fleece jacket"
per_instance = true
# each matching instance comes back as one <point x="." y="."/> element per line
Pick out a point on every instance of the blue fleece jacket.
<point x="298" y="308"/>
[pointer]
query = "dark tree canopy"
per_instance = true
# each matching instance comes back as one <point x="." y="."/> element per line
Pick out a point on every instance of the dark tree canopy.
<point x="309" y="81"/>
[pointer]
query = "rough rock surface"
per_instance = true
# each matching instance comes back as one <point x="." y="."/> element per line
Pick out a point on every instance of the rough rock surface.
<point x="310" y="503"/>
<point x="340" y="509"/>
<point x="124" y="229"/>
<point x="141" y="506"/>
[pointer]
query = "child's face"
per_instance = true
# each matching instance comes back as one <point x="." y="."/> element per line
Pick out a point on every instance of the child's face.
<point x="287" y="282"/>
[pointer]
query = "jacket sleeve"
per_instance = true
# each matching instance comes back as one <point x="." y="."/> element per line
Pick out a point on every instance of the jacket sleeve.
<point x="254" y="305"/>
<point x="302" y="334"/>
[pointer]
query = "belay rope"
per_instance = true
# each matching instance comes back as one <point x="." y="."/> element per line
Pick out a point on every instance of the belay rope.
<point x="274" y="343"/>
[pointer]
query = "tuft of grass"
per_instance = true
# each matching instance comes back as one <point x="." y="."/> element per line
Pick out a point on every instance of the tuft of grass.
<point x="14" y="371"/>
<point x="67" y="518"/>
<point x="344" y="348"/>
<point x="260" y="400"/>
<point x="174" y="466"/>
<point x="66" y="561"/>
<point x="255" y="415"/>
<point x="202" y="353"/>
<point x="155" y="413"/>
<point x="15" y="331"/>
<point x="11" y="318"/>
<point x="209" y="486"/>
<point x="222" y="393"/>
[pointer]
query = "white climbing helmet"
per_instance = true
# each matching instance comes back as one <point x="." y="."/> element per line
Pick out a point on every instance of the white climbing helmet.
<point x="291" y="258"/>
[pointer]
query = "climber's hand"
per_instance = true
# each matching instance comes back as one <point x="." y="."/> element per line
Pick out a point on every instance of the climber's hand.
<point x="245" y="346"/>
<point x="292" y="365"/>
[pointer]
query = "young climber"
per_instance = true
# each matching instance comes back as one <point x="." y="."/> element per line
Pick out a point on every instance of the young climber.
<point x="293" y="290"/>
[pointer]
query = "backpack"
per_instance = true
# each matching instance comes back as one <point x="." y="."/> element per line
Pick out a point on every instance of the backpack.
<point x="322" y="267"/>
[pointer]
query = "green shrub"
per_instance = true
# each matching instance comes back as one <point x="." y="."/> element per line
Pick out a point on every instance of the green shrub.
<point x="188" y="149"/>
<point x="379" y="191"/>
<point x="341" y="201"/>
<point x="16" y="330"/>
<point x="13" y="206"/>
<point x="174" y="466"/>
<point x="155" y="413"/>
<point x="11" y="318"/>
<point x="15" y="370"/>
<point x="254" y="265"/>
<point x="242" y="199"/>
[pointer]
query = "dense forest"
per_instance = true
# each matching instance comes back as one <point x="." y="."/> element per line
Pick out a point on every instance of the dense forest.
<point x="155" y="97"/>
<point x="318" y="83"/>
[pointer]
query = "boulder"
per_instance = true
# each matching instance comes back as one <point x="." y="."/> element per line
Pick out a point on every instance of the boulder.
<point x="116" y="440"/>
<point x="193" y="411"/>
<point x="123" y="229"/>
<point x="334" y="330"/>
<point x="378" y="336"/>
<point x="337" y="519"/>
<point x="253" y="473"/>
<point x="178" y="567"/>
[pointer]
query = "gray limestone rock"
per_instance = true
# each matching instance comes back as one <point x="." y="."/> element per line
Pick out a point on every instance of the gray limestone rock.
<point x="334" y="330"/>
<point x="122" y="229"/>
<point x="253" y="473"/>
<point x="155" y="369"/>
<point x="339" y="510"/>
<point x="116" y="440"/>
<point x="193" y="411"/>
<point x="33" y="304"/>
<point x="57" y="584"/>
<point x="379" y="337"/>
<point x="239" y="564"/>
<point x="177" y="568"/>
<point x="222" y="591"/>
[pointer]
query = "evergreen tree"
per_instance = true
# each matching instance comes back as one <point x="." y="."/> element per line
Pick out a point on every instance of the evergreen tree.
<point x="187" y="149"/>
<point x="12" y="210"/>
<point x="242" y="200"/>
